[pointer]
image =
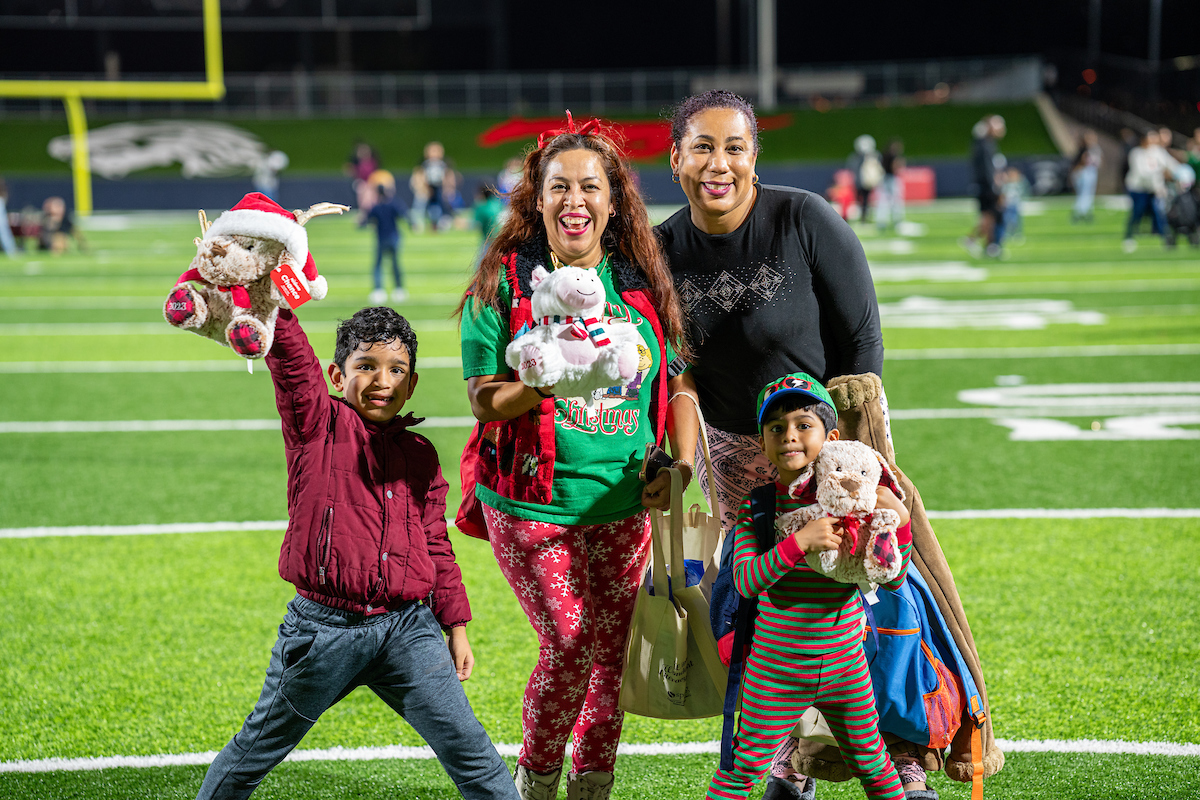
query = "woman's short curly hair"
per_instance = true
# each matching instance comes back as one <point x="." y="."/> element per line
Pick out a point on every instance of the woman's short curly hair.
<point x="370" y="326"/>
<point x="682" y="114"/>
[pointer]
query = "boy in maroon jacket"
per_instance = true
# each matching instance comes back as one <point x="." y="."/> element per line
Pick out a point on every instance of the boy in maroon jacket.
<point x="367" y="551"/>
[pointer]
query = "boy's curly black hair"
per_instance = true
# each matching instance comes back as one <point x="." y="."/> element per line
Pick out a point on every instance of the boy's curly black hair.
<point x="373" y="326"/>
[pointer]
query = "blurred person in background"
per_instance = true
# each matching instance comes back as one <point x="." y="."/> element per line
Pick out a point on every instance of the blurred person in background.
<point x="420" y="194"/>
<point x="867" y="167"/>
<point x="7" y="243"/>
<point x="1084" y="173"/>
<point x="58" y="226"/>
<point x="889" y="204"/>
<point x="508" y="178"/>
<point x="440" y="186"/>
<point x="266" y="174"/>
<point x="1146" y="183"/>
<point x="1193" y="151"/>
<point x="487" y="212"/>
<point x="1014" y="188"/>
<point x="385" y="213"/>
<point x="986" y="162"/>
<point x="362" y="162"/>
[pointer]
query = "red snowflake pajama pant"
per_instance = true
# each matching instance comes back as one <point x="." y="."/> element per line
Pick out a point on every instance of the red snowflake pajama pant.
<point x="577" y="585"/>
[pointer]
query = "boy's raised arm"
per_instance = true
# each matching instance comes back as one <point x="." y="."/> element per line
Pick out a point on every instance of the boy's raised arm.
<point x="301" y="394"/>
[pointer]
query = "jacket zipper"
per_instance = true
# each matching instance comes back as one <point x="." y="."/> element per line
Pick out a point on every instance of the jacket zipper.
<point x="327" y="544"/>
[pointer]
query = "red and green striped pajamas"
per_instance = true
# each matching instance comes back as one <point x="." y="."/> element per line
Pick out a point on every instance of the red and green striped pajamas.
<point x="806" y="651"/>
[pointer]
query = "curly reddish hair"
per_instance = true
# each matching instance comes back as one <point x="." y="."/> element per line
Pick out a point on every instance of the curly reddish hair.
<point x="628" y="231"/>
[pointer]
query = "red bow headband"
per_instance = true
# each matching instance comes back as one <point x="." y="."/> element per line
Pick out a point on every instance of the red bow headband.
<point x="589" y="127"/>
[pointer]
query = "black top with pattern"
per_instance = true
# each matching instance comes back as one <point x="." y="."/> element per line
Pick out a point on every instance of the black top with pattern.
<point x="788" y="291"/>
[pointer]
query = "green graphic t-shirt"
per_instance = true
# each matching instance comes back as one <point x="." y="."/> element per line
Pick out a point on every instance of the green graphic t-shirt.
<point x="597" y="452"/>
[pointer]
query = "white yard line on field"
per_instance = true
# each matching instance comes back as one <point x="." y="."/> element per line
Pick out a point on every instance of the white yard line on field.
<point x="395" y="752"/>
<point x="160" y="425"/>
<point x="455" y="362"/>
<point x="281" y="524"/>
<point x="223" y="365"/>
<point x="1075" y="351"/>
<point x="162" y="328"/>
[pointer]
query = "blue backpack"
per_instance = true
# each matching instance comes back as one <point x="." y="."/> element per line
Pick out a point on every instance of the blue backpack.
<point x="922" y="685"/>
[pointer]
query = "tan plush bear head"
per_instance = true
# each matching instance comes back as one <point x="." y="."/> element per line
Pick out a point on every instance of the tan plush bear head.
<point x="847" y="473"/>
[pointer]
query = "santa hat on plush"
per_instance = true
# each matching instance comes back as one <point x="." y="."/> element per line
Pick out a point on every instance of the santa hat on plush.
<point x="261" y="217"/>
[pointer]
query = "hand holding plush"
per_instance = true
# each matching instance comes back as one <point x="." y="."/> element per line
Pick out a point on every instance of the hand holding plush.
<point x="227" y="294"/>
<point x="570" y="347"/>
<point x="847" y="474"/>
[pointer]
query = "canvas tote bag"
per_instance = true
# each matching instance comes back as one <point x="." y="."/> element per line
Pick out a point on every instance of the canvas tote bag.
<point x="672" y="669"/>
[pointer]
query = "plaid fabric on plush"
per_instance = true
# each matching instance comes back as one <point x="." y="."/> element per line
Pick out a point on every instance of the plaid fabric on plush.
<point x="179" y="307"/>
<point x="245" y="341"/>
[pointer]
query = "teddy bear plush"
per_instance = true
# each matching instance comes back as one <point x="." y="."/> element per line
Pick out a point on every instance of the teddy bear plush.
<point x="253" y="259"/>
<point x="846" y="474"/>
<point x="570" y="347"/>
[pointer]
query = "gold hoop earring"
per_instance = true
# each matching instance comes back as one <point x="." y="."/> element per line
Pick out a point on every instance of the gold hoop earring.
<point x="755" y="181"/>
<point x="675" y="177"/>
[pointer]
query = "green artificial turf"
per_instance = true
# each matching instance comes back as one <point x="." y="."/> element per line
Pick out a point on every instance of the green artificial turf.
<point x="1027" y="776"/>
<point x="142" y="645"/>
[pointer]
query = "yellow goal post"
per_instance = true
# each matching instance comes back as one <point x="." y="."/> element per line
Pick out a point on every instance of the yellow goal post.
<point x="74" y="92"/>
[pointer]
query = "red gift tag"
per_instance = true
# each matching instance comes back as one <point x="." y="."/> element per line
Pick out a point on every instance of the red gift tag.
<point x="290" y="285"/>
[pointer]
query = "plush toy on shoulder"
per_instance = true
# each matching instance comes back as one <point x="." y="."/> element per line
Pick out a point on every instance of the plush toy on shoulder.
<point x="846" y="474"/>
<point x="569" y="346"/>
<point x="253" y="259"/>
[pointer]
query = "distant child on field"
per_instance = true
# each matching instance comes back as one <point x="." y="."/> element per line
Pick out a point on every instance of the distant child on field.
<point x="488" y="210"/>
<point x="807" y="645"/>
<point x="1014" y="188"/>
<point x="386" y="213"/>
<point x="367" y="551"/>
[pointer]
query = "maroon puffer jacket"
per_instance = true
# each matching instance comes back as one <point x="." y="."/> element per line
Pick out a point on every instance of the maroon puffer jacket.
<point x="366" y="503"/>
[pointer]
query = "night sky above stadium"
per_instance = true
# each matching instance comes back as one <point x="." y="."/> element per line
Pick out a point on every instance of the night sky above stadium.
<point x="619" y="34"/>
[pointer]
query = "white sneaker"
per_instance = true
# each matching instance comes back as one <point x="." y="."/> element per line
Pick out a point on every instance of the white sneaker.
<point x="399" y="295"/>
<point x="1129" y="245"/>
<point x="971" y="246"/>
<point x="589" y="786"/>
<point x="536" y="786"/>
<point x="377" y="297"/>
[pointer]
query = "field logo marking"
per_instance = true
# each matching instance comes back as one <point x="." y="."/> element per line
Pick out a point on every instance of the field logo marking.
<point x="939" y="271"/>
<point x="1171" y="411"/>
<point x="1016" y="315"/>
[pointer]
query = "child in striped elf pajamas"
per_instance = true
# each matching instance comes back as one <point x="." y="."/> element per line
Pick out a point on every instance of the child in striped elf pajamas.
<point x="807" y="644"/>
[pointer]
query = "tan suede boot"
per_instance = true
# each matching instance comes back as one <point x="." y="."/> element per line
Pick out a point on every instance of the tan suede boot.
<point x="589" y="786"/>
<point x="536" y="786"/>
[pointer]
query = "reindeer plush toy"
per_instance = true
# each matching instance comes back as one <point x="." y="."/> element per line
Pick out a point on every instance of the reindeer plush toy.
<point x="253" y="259"/>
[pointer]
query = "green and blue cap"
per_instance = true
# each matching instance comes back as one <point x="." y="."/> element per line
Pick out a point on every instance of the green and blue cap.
<point x="798" y="383"/>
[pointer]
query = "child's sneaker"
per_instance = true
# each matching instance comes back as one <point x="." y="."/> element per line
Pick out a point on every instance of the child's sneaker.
<point x="589" y="786"/>
<point x="536" y="786"/>
<point x="377" y="298"/>
<point x="783" y="789"/>
<point x="399" y="295"/>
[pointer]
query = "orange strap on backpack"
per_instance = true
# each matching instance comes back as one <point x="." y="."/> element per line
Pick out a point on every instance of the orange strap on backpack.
<point x="976" y="764"/>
